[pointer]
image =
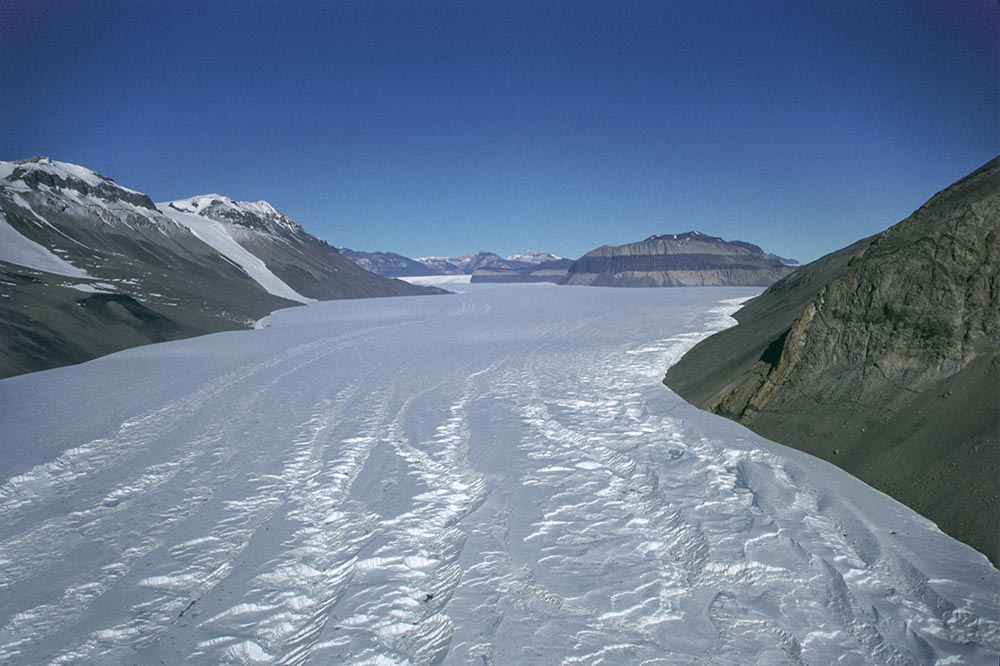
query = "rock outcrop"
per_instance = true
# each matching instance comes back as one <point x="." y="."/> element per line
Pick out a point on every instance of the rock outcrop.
<point x="690" y="259"/>
<point x="883" y="358"/>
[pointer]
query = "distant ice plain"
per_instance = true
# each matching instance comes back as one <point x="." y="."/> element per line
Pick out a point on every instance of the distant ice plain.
<point x="494" y="477"/>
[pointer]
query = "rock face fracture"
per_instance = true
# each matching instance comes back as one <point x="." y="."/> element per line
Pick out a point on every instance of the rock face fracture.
<point x="690" y="259"/>
<point x="883" y="358"/>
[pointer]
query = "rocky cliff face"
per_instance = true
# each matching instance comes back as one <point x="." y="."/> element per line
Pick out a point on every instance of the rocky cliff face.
<point x="883" y="358"/>
<point x="690" y="259"/>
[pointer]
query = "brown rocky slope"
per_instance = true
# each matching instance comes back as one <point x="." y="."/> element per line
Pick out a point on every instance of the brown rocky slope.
<point x="883" y="358"/>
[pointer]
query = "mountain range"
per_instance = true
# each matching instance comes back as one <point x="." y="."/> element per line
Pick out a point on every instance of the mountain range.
<point x="88" y="267"/>
<point x="882" y="358"/>
<point x="668" y="260"/>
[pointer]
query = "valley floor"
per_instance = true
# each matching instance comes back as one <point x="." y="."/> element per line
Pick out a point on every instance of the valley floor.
<point x="495" y="477"/>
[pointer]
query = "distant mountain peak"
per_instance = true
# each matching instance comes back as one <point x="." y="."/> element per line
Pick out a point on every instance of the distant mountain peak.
<point x="531" y="256"/>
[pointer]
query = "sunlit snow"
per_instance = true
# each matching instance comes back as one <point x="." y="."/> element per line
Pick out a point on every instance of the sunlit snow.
<point x="494" y="477"/>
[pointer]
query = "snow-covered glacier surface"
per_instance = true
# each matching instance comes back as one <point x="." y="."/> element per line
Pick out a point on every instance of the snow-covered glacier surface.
<point x="494" y="477"/>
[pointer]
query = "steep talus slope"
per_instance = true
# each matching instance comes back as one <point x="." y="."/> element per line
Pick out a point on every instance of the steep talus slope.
<point x="690" y="259"/>
<point x="883" y="358"/>
<point x="307" y="264"/>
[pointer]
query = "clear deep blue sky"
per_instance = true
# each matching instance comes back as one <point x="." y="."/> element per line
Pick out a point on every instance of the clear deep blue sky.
<point x="440" y="128"/>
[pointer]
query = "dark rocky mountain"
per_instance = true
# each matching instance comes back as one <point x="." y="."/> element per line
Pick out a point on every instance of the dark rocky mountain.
<point x="88" y="267"/>
<point x="690" y="259"/>
<point x="520" y="271"/>
<point x="389" y="264"/>
<point x="882" y="358"/>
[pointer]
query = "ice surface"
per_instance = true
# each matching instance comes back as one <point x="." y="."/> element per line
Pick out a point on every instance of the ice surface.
<point x="495" y="477"/>
<point x="18" y="249"/>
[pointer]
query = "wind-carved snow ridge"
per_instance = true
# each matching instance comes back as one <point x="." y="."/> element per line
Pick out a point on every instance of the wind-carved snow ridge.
<point x="498" y="477"/>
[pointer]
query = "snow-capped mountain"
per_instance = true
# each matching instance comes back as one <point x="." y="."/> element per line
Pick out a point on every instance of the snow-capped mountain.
<point x="483" y="266"/>
<point x="462" y="265"/>
<point x="88" y="267"/>
<point x="470" y="263"/>
<point x="308" y="265"/>
<point x="254" y="215"/>
<point x="534" y="257"/>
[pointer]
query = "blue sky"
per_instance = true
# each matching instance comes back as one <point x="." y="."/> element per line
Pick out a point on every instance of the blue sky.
<point x="427" y="127"/>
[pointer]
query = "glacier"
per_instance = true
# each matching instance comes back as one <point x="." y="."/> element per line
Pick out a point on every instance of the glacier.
<point x="492" y="477"/>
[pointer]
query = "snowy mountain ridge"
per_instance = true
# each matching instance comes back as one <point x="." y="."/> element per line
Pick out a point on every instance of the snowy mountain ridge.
<point x="89" y="266"/>
<point x="255" y="215"/>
